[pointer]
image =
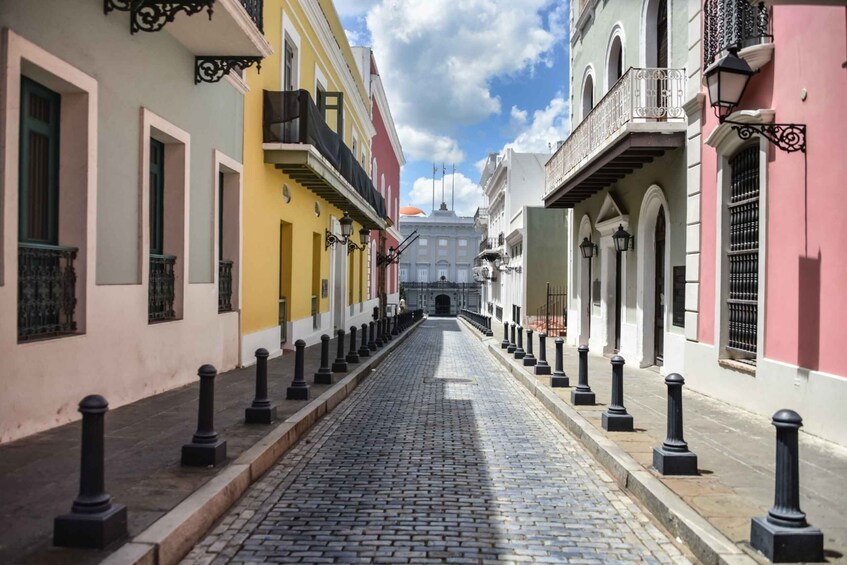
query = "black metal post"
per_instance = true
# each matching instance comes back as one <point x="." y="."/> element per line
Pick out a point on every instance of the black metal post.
<point x="206" y="448"/>
<point x="94" y="520"/>
<point x="352" y="356"/>
<point x="394" y="330"/>
<point x="386" y="330"/>
<point x="542" y="367"/>
<point x="339" y="365"/>
<point x="582" y="395"/>
<point x="529" y="359"/>
<point x="378" y="340"/>
<point x="519" y="352"/>
<point x="505" y="343"/>
<point x="616" y="418"/>
<point x="673" y="457"/>
<point x="372" y="336"/>
<point x="512" y="344"/>
<point x="323" y="376"/>
<point x="559" y="378"/>
<point x="784" y="535"/>
<point x="299" y="390"/>
<point x="363" y="349"/>
<point x="261" y="411"/>
<point x="488" y="332"/>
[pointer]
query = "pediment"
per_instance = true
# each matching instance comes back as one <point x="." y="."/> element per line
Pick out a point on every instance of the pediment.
<point x="611" y="216"/>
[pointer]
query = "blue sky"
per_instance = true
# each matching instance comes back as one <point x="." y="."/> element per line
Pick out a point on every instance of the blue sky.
<point x="465" y="78"/>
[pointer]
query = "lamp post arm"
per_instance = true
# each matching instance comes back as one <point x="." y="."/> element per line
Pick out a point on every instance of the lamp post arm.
<point x="788" y="137"/>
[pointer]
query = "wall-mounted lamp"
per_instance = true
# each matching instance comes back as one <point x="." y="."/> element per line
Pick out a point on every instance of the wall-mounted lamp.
<point x="587" y="248"/>
<point x="623" y="239"/>
<point x="364" y="237"/>
<point x="346" y="231"/>
<point x="727" y="80"/>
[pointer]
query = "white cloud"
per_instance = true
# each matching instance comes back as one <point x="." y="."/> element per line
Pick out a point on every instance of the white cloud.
<point x="420" y="145"/>
<point x="438" y="57"/>
<point x="547" y="126"/>
<point x="347" y="8"/>
<point x="353" y="37"/>
<point x="468" y="195"/>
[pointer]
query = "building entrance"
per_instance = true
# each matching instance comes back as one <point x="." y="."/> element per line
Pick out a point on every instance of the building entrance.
<point x="442" y="305"/>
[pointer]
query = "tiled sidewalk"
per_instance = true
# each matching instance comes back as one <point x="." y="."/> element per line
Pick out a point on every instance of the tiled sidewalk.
<point x="39" y="475"/>
<point x="735" y="449"/>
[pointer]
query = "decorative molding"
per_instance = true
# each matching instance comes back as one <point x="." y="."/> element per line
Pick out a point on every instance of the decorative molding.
<point x="721" y="133"/>
<point x="213" y="69"/>
<point x="757" y="56"/>
<point x="694" y="104"/>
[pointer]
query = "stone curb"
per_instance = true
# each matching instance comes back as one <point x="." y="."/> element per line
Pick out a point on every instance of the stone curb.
<point x="173" y="535"/>
<point x="704" y="540"/>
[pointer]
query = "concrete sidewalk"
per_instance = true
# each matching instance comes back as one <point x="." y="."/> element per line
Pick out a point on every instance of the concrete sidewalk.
<point x="735" y="449"/>
<point x="39" y="475"/>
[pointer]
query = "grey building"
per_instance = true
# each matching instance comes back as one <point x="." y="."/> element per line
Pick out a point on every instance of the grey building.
<point x="436" y="270"/>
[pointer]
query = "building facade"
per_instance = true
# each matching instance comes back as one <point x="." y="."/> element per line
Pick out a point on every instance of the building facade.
<point x="520" y="247"/>
<point x="624" y="167"/>
<point x="766" y="245"/>
<point x="436" y="269"/>
<point x="119" y="252"/>
<point x="307" y="155"/>
<point x="387" y="162"/>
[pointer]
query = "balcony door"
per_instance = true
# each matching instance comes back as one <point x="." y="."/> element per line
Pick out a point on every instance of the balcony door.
<point x="659" y="299"/>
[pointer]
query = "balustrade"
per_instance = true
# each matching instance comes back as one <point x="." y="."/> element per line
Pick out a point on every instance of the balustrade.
<point x="46" y="290"/>
<point x="161" y="293"/>
<point x="224" y="286"/>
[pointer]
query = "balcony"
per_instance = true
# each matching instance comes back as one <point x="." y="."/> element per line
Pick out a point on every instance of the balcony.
<point x="639" y="119"/>
<point x="298" y="141"/>
<point x="224" y="286"/>
<point x="161" y="292"/>
<point x="222" y="34"/>
<point x="740" y="24"/>
<point x="480" y="220"/>
<point x="46" y="291"/>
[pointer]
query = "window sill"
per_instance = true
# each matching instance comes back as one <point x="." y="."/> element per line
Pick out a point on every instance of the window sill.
<point x="52" y="337"/>
<point x="738" y="366"/>
<point x="160" y="322"/>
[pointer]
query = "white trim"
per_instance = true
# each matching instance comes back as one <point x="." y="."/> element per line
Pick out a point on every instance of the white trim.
<point x="582" y="320"/>
<point x="381" y="100"/>
<point x="320" y="79"/>
<point x="587" y="73"/>
<point x="654" y="200"/>
<point x="268" y="338"/>
<point x="288" y="29"/>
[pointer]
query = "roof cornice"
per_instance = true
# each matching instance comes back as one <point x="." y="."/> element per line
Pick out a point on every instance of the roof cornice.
<point x="385" y="111"/>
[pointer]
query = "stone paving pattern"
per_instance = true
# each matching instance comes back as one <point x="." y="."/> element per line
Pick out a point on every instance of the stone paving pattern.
<point x="440" y="456"/>
<point x="735" y="449"/>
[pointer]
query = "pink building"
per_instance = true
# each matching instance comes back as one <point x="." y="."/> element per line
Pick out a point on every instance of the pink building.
<point x="385" y="171"/>
<point x="766" y="242"/>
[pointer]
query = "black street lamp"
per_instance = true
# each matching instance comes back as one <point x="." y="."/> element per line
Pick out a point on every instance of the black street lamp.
<point x="587" y="248"/>
<point x="727" y="81"/>
<point x="623" y="239"/>
<point x="346" y="231"/>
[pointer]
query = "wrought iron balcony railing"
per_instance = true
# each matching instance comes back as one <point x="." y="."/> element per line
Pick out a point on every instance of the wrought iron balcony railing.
<point x="481" y="214"/>
<point x="46" y="290"/>
<point x="640" y="96"/>
<point x="254" y="10"/>
<point x="224" y="286"/>
<point x="733" y="23"/>
<point x="283" y="320"/>
<point x="161" y="293"/>
<point x="487" y="243"/>
<point x="501" y="239"/>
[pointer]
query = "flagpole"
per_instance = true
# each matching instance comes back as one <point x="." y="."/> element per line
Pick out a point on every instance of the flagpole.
<point x="453" y="190"/>
<point x="443" y="172"/>
<point x="433" y="187"/>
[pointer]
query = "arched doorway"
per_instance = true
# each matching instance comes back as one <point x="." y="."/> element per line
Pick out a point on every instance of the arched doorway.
<point x="659" y="290"/>
<point x="587" y="96"/>
<point x="442" y="305"/>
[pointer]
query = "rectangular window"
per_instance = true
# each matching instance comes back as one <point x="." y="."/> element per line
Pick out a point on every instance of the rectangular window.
<point x="743" y="254"/>
<point x="462" y="275"/>
<point x="288" y="61"/>
<point x="157" y="196"/>
<point x="422" y="242"/>
<point x="442" y="242"/>
<point x="404" y="274"/>
<point x="423" y="274"/>
<point x="463" y="243"/>
<point x="442" y="273"/>
<point x="39" y="164"/>
<point x="330" y="103"/>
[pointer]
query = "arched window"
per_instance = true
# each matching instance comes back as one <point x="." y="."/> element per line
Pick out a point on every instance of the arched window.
<point x="587" y="96"/>
<point x="614" y="61"/>
<point x="656" y="46"/>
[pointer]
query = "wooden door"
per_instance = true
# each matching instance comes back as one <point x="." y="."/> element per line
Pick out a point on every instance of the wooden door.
<point x="659" y="314"/>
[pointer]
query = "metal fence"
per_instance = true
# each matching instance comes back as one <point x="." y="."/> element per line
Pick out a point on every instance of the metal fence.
<point x="552" y="316"/>
<point x="161" y="292"/>
<point x="283" y="320"/>
<point x="46" y="290"/>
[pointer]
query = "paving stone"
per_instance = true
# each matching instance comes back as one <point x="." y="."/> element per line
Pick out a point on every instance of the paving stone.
<point x="414" y="467"/>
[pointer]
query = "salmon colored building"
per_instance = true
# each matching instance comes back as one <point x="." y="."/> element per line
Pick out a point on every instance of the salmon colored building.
<point x="766" y="243"/>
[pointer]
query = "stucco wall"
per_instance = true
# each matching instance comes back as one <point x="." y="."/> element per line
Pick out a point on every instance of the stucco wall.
<point x="545" y="254"/>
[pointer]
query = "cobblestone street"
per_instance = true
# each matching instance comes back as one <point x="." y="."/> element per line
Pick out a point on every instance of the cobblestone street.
<point x="438" y="456"/>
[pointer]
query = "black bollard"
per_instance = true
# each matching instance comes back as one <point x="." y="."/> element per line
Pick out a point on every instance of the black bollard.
<point x="94" y="520"/>
<point x="582" y="395"/>
<point x="673" y="457"/>
<point x="394" y="330"/>
<point x="559" y="378"/>
<point x="505" y="343"/>
<point x="206" y="448"/>
<point x="784" y="535"/>
<point x="386" y="330"/>
<point x="519" y="352"/>
<point x="512" y="345"/>
<point x="529" y="359"/>
<point x="363" y="350"/>
<point x="378" y="339"/>
<point x="488" y="331"/>
<point x="323" y="376"/>
<point x="352" y="356"/>
<point x="261" y="411"/>
<point x="616" y="418"/>
<point x="339" y="365"/>
<point x="372" y="336"/>
<point x="299" y="390"/>
<point x="542" y="367"/>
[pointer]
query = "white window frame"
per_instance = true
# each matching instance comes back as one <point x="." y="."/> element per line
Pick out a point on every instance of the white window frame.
<point x="289" y="32"/>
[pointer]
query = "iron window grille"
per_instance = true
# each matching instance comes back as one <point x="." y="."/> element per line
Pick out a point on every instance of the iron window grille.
<point x="161" y="291"/>
<point x="46" y="290"/>
<point x="743" y="254"/>
<point x="316" y="317"/>
<point x="224" y="286"/>
<point x="733" y="23"/>
<point x="283" y="320"/>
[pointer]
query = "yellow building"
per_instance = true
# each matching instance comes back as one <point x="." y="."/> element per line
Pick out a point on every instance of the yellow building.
<point x="306" y="149"/>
